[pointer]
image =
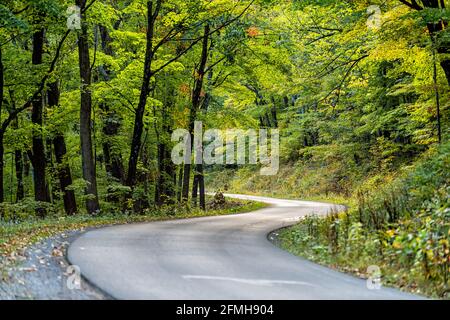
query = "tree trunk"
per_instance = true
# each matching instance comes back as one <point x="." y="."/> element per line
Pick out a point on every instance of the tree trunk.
<point x="20" y="192"/>
<point x="166" y="184"/>
<point x="64" y="174"/>
<point x="2" y="152"/>
<point x="113" y="159"/>
<point x="26" y="164"/>
<point x="201" y="185"/>
<point x="111" y="121"/>
<point x="2" y="148"/>
<point x="145" y="90"/>
<point x="53" y="193"/>
<point x="180" y="184"/>
<point x="60" y="150"/>
<point x="88" y="162"/>
<point x="186" y="182"/>
<point x="38" y="160"/>
<point x="196" y="103"/>
<point x="195" y="189"/>
<point x="273" y="112"/>
<point x="165" y="188"/>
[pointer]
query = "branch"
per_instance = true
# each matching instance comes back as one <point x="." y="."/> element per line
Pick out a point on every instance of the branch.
<point x="218" y="83"/>
<point x="413" y="4"/>
<point x="86" y="7"/>
<point x="339" y="87"/>
<point x="21" y="10"/>
<point x="215" y="64"/>
<point x="179" y="55"/>
<point x="131" y="106"/>
<point x="36" y="94"/>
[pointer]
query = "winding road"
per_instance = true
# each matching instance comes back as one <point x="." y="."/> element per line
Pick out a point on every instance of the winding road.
<point x="224" y="257"/>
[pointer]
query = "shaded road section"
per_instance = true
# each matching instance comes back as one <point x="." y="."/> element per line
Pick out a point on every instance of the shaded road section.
<point x="224" y="257"/>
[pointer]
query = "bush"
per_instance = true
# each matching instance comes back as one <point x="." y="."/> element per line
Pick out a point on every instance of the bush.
<point x="403" y="227"/>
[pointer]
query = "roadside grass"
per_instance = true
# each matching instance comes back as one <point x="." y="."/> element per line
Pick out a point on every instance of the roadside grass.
<point x="16" y="236"/>
<point x="296" y="240"/>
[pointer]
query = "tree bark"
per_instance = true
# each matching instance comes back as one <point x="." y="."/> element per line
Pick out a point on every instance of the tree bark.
<point x="111" y="121"/>
<point x="166" y="184"/>
<point x="195" y="189"/>
<point x="145" y="90"/>
<point x="20" y="192"/>
<point x="60" y="150"/>
<point x="64" y="174"/>
<point x="196" y="103"/>
<point x="113" y="159"/>
<point x="2" y="152"/>
<point x="180" y="184"/>
<point x="2" y="133"/>
<point x="87" y="156"/>
<point x="38" y="160"/>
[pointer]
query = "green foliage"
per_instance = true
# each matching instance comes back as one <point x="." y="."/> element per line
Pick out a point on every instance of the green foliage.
<point x="355" y="104"/>
<point x="403" y="227"/>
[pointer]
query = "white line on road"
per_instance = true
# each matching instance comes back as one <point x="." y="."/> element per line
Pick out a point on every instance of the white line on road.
<point x="258" y="282"/>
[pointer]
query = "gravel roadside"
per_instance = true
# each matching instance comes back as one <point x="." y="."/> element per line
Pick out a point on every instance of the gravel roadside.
<point x="41" y="272"/>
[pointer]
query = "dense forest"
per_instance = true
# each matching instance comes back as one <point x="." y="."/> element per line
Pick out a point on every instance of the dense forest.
<point x="92" y="90"/>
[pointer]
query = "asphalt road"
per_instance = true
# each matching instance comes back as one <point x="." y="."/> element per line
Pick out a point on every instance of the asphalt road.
<point x="225" y="257"/>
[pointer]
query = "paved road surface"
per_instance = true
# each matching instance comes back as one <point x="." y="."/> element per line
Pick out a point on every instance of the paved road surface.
<point x="225" y="257"/>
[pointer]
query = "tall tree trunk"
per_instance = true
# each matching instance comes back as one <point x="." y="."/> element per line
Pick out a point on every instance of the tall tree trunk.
<point x="186" y="182"/>
<point x="166" y="187"/>
<point x="87" y="156"/>
<point x="53" y="191"/>
<point x="112" y="158"/>
<point x="38" y="160"/>
<point x="2" y="133"/>
<point x="26" y="164"/>
<point x="196" y="103"/>
<point x="273" y="112"/>
<point x="2" y="163"/>
<point x="145" y="90"/>
<point x="20" y="192"/>
<point x="195" y="189"/>
<point x="180" y="184"/>
<point x="64" y="174"/>
<point x="111" y="121"/>
<point x="60" y="150"/>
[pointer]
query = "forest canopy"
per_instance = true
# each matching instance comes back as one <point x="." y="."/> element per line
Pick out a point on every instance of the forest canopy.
<point x="91" y="91"/>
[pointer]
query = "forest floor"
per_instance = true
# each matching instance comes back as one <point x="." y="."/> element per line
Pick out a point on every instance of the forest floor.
<point x="33" y="261"/>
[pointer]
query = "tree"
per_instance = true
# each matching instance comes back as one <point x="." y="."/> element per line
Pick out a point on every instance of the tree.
<point x="437" y="28"/>
<point x="37" y="155"/>
<point x="199" y="180"/>
<point x="88" y="161"/>
<point x="60" y="150"/>
<point x="152" y="48"/>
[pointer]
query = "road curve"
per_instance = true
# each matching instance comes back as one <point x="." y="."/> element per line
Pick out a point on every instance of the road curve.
<point x="224" y="257"/>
